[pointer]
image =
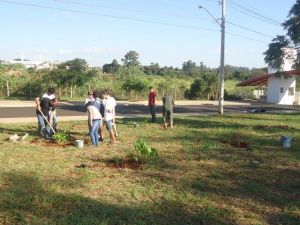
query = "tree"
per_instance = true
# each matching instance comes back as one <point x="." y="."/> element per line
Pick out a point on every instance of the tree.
<point x="111" y="67"/>
<point x="197" y="90"/>
<point x="78" y="65"/>
<point x="279" y="48"/>
<point x="131" y="59"/>
<point x="135" y="84"/>
<point x="72" y="73"/>
<point x="189" y="68"/>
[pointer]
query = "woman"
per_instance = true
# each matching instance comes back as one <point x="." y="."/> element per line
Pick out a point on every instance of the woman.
<point x="94" y="121"/>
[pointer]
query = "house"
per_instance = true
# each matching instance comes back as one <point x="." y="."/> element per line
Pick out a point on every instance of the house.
<point x="281" y="83"/>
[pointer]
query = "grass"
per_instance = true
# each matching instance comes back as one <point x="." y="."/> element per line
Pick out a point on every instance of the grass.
<point x="199" y="177"/>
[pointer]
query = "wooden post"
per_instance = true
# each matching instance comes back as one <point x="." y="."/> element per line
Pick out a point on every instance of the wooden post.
<point x="7" y="88"/>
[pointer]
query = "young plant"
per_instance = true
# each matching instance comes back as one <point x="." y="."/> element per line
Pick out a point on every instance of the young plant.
<point x="144" y="152"/>
<point x="61" y="137"/>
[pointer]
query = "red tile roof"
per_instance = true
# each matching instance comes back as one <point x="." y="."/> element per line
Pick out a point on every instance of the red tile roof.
<point x="263" y="80"/>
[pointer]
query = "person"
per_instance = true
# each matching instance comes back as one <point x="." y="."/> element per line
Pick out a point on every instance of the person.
<point x="109" y="114"/>
<point x="94" y="120"/>
<point x="98" y="103"/>
<point x="168" y="103"/>
<point x="151" y="104"/>
<point x="90" y="97"/>
<point x="46" y="113"/>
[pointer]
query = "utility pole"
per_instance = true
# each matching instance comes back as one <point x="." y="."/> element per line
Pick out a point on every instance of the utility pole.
<point x="222" y="60"/>
<point x="222" y="69"/>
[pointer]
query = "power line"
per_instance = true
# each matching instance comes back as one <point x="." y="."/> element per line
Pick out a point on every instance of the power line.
<point x="252" y="13"/>
<point x="109" y="16"/>
<point x="245" y="37"/>
<point x="148" y="12"/>
<point x="125" y="18"/>
<point x="249" y="29"/>
<point x="124" y="9"/>
<point x="245" y="4"/>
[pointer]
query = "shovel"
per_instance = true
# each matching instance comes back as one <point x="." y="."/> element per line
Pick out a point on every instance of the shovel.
<point x="47" y="121"/>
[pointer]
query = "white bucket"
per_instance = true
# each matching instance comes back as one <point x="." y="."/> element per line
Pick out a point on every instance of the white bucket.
<point x="79" y="143"/>
<point x="286" y="141"/>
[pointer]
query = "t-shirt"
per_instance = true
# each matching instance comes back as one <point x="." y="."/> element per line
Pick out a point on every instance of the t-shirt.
<point x="167" y="102"/>
<point x="99" y="105"/>
<point x="45" y="104"/>
<point x="109" y="108"/>
<point x="151" y="98"/>
<point x="95" y="113"/>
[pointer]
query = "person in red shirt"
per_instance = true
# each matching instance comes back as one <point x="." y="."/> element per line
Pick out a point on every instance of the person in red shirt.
<point x="151" y="104"/>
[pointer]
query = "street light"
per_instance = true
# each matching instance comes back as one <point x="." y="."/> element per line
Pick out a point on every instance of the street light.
<point x="221" y="72"/>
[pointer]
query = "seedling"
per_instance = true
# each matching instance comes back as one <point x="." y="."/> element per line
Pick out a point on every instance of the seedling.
<point x="144" y="152"/>
<point x="61" y="137"/>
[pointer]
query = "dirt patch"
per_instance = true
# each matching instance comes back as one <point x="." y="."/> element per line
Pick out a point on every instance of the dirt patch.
<point x="80" y="127"/>
<point x="113" y="164"/>
<point x="279" y="127"/>
<point x="35" y="141"/>
<point x="61" y="145"/>
<point x="237" y="144"/>
<point x="124" y="164"/>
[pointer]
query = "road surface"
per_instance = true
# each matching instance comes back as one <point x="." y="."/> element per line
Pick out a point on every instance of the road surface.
<point x="123" y="109"/>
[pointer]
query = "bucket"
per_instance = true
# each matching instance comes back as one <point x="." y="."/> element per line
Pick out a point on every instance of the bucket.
<point x="286" y="141"/>
<point x="79" y="143"/>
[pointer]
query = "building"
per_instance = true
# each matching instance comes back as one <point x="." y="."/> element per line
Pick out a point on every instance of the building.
<point x="281" y="83"/>
<point x="33" y="64"/>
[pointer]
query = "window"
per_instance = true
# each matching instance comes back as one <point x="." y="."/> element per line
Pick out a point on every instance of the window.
<point x="281" y="90"/>
<point x="291" y="91"/>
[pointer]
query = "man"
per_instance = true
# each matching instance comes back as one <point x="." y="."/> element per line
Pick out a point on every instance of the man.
<point x="168" y="103"/>
<point x="98" y="103"/>
<point x="46" y="111"/>
<point x="151" y="104"/>
<point x="109" y="114"/>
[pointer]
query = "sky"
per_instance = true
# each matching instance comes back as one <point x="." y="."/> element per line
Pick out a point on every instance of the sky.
<point x="168" y="32"/>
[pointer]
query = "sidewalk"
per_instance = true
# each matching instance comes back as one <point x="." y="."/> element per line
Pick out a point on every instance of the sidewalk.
<point x="15" y="103"/>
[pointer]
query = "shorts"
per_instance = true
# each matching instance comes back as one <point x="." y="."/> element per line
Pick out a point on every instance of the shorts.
<point x="109" y="125"/>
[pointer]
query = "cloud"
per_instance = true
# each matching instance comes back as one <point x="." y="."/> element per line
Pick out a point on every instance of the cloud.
<point x="64" y="51"/>
<point x="67" y="13"/>
<point x="41" y="51"/>
<point x="97" y="50"/>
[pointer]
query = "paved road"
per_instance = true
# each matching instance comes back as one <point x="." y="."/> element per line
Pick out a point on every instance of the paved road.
<point x="138" y="109"/>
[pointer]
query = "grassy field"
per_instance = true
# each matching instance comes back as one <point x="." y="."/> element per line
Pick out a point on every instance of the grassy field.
<point x="199" y="177"/>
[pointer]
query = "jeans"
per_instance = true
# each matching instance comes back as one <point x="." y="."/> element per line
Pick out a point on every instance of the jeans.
<point x="93" y="132"/>
<point x="44" y="128"/>
<point x="152" y="109"/>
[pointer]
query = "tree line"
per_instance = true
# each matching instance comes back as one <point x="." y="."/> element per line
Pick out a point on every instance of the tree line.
<point x="128" y="80"/>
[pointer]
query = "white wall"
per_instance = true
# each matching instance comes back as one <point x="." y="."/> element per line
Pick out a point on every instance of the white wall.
<point x="274" y="90"/>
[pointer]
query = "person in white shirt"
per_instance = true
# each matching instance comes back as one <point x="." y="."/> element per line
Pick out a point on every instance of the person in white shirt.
<point x="109" y="114"/>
